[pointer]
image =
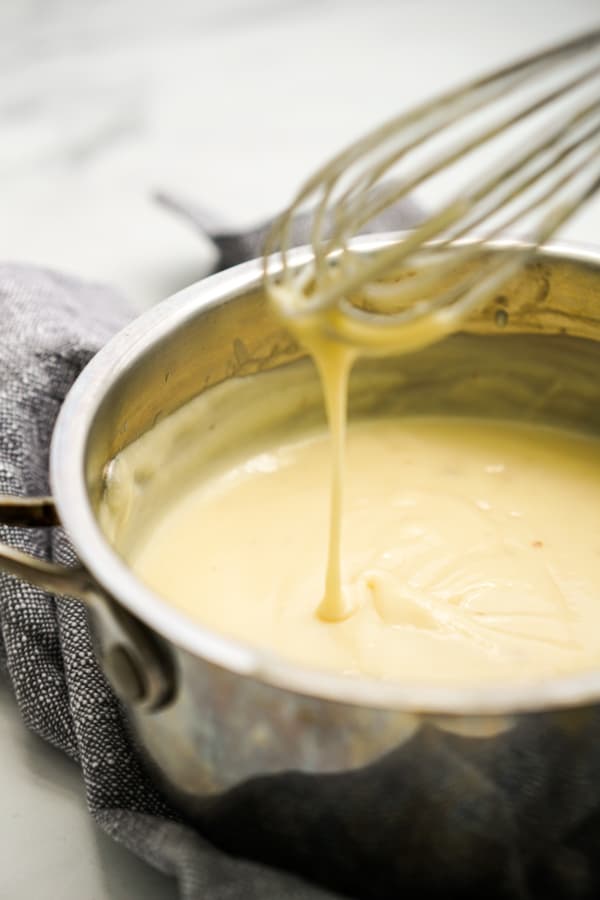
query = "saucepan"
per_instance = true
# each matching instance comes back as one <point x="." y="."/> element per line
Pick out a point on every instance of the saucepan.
<point x="211" y="713"/>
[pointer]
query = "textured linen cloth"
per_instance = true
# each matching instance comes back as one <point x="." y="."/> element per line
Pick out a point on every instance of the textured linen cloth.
<point x="516" y="816"/>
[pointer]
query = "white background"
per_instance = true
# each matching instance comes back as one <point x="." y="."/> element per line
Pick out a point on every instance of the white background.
<point x="229" y="103"/>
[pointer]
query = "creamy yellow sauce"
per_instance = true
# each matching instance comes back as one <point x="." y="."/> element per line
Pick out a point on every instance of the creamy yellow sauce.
<point x="471" y="550"/>
<point x="443" y="549"/>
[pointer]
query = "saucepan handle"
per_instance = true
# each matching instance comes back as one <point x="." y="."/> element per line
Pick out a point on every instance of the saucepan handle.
<point x="135" y="661"/>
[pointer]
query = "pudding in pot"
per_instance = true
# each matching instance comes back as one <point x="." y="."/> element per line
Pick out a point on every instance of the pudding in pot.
<point x="470" y="546"/>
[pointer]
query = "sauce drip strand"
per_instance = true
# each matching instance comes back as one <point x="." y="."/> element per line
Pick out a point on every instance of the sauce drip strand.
<point x="319" y="333"/>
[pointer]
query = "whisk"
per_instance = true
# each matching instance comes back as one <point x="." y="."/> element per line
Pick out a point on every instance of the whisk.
<point x="521" y="148"/>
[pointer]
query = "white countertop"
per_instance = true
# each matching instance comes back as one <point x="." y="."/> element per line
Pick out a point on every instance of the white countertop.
<point x="228" y="102"/>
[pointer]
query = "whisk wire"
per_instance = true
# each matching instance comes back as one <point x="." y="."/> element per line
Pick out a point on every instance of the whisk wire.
<point x="425" y="281"/>
<point x="370" y="210"/>
<point x="529" y="186"/>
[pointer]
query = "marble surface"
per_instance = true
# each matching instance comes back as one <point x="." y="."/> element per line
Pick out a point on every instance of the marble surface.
<point x="230" y="103"/>
<point x="50" y="848"/>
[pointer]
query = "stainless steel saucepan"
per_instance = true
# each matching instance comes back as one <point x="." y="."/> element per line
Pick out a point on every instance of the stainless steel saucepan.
<point x="211" y="712"/>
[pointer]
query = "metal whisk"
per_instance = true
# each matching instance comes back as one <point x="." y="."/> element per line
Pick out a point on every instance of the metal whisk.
<point x="521" y="148"/>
